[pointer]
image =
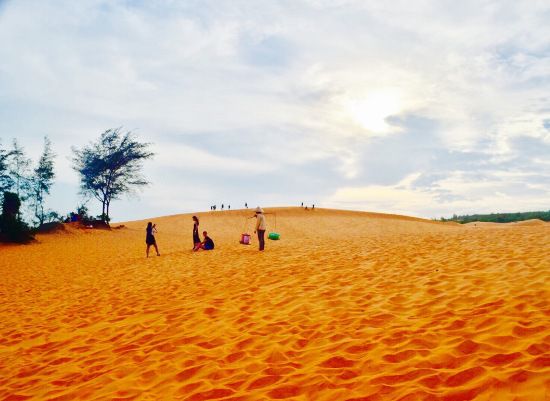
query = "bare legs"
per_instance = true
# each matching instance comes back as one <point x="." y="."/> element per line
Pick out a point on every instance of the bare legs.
<point x="156" y="249"/>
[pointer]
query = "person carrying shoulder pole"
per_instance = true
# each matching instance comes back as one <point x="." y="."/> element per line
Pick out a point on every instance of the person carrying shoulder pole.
<point x="260" y="227"/>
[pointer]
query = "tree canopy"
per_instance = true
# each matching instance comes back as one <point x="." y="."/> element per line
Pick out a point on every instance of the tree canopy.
<point x="6" y="181"/>
<point x="41" y="181"/>
<point x="19" y="165"/>
<point x="500" y="217"/>
<point x="111" y="167"/>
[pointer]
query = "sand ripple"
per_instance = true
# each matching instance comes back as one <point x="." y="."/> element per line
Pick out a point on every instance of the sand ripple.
<point x="347" y="306"/>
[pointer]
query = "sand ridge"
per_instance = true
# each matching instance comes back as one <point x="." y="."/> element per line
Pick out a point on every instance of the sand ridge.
<point x="347" y="306"/>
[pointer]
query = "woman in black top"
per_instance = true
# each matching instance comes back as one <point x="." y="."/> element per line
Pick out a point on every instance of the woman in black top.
<point x="150" y="237"/>
<point x="196" y="238"/>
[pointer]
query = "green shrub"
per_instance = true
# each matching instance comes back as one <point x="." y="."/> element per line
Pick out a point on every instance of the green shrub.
<point x="12" y="229"/>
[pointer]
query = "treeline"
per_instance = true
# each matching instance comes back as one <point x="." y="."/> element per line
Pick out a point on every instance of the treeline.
<point x="500" y="217"/>
<point x="107" y="168"/>
<point x="21" y="182"/>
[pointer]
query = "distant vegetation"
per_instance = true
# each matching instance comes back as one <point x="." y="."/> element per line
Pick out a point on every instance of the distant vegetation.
<point x="108" y="168"/>
<point x="12" y="228"/>
<point x="20" y="185"/>
<point x="500" y="217"/>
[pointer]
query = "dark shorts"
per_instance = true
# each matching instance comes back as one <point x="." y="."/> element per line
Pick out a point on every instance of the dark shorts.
<point x="150" y="240"/>
<point x="208" y="247"/>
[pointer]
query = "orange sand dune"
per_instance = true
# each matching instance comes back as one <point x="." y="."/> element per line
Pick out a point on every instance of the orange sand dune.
<point x="531" y="222"/>
<point x="347" y="306"/>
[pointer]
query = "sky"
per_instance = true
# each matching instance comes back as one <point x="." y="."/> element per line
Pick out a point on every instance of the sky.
<point x="424" y="108"/>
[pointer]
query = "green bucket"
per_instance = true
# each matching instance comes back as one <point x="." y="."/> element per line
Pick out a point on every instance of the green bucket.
<point x="274" y="236"/>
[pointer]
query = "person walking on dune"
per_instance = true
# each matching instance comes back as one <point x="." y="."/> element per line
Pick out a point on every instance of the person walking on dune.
<point x="150" y="238"/>
<point x="260" y="227"/>
<point x="196" y="237"/>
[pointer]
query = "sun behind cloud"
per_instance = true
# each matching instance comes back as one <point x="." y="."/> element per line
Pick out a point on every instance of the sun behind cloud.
<point x="372" y="111"/>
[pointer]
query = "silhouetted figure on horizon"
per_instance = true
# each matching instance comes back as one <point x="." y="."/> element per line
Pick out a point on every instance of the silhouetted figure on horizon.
<point x="222" y="206"/>
<point x="150" y="238"/>
<point x="313" y="207"/>
<point x="246" y="205"/>
<point x="228" y="207"/>
<point x="302" y="204"/>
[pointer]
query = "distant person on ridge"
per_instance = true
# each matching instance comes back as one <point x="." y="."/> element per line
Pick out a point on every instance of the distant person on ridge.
<point x="246" y="205"/>
<point x="150" y="237"/>
<point x="260" y="227"/>
<point x="196" y="238"/>
<point x="207" y="244"/>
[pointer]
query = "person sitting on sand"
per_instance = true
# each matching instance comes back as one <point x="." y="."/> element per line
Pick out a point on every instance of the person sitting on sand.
<point x="150" y="238"/>
<point x="260" y="227"/>
<point x="207" y="244"/>
<point x="196" y="238"/>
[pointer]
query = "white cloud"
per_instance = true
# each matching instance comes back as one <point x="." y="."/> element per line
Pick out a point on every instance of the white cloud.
<point x="306" y="83"/>
<point x="190" y="158"/>
<point x="457" y="193"/>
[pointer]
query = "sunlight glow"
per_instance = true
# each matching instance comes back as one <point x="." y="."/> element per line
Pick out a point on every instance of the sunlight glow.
<point x="372" y="111"/>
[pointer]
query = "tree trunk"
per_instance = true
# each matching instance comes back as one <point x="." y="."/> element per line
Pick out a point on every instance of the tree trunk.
<point x="36" y="210"/>
<point x="103" y="209"/>
<point x="41" y="218"/>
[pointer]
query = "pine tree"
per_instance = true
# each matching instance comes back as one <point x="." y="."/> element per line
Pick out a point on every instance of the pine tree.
<point x="5" y="179"/>
<point x="111" y="167"/>
<point x="19" y="166"/>
<point x="42" y="181"/>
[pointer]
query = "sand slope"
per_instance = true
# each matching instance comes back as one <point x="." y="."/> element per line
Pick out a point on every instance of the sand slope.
<point x="347" y="306"/>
